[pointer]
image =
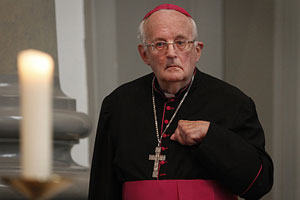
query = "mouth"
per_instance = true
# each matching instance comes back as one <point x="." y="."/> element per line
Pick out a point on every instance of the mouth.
<point x="173" y="66"/>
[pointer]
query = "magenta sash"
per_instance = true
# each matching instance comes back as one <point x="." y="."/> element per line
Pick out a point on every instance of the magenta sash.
<point x="175" y="190"/>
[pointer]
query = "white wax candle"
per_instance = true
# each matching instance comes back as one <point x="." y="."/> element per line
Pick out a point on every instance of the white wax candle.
<point x="36" y="70"/>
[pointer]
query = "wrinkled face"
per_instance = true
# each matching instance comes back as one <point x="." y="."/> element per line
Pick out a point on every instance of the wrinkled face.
<point x="171" y="65"/>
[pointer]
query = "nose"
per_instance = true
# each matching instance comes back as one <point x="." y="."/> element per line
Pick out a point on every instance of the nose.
<point x="171" y="51"/>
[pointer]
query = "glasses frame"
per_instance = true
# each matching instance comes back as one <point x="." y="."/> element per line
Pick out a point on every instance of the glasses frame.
<point x="188" y="42"/>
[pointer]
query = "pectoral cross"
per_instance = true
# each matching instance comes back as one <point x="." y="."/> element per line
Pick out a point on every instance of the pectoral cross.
<point x="157" y="157"/>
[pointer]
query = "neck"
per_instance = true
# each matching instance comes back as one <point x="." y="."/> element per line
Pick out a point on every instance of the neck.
<point x="172" y="87"/>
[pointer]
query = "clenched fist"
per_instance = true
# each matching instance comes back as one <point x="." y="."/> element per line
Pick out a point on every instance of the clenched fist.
<point x="190" y="132"/>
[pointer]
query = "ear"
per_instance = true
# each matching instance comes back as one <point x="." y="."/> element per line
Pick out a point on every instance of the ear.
<point x="143" y="53"/>
<point x="199" y="47"/>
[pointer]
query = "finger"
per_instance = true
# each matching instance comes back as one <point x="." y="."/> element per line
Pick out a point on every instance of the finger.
<point x="181" y="123"/>
<point x="179" y="139"/>
<point x="172" y="136"/>
<point x="176" y="137"/>
<point x="183" y="130"/>
<point x="190" y="131"/>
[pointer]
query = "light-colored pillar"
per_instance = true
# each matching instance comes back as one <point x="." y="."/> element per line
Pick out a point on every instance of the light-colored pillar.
<point x="31" y="24"/>
<point x="101" y="56"/>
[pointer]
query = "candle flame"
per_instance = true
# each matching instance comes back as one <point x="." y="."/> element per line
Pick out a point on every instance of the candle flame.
<point x="35" y="62"/>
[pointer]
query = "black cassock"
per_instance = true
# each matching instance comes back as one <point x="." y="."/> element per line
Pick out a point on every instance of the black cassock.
<point x="232" y="152"/>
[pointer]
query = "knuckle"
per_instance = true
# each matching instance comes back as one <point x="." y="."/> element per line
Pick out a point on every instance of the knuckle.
<point x="180" y="123"/>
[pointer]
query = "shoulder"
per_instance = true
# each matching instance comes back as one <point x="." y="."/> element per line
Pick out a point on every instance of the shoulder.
<point x="220" y="90"/>
<point x="132" y="89"/>
<point x="135" y="85"/>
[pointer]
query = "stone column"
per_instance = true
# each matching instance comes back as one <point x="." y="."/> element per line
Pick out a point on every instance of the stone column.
<point x="31" y="24"/>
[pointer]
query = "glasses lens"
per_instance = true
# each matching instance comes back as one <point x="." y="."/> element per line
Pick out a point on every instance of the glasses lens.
<point x="160" y="45"/>
<point x="181" y="44"/>
<point x="178" y="44"/>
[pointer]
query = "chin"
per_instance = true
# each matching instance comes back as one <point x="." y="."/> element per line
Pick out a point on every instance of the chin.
<point x="174" y="77"/>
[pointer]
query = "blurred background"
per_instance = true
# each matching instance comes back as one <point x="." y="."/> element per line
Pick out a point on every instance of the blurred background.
<point x="254" y="45"/>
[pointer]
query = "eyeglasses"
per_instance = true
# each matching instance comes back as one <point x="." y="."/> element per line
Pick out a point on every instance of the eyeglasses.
<point x="180" y="45"/>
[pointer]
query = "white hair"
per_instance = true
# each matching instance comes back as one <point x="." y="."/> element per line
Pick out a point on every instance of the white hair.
<point x="142" y="36"/>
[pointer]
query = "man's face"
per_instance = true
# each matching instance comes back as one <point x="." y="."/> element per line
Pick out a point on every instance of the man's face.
<point x="170" y="65"/>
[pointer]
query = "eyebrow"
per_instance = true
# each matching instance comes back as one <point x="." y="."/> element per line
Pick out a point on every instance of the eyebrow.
<point x="159" y="39"/>
<point x="176" y="38"/>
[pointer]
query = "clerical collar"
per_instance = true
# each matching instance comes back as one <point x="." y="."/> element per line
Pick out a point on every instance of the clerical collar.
<point x="179" y="94"/>
<point x="168" y="95"/>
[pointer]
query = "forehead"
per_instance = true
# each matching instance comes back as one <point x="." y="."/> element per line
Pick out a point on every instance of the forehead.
<point x="166" y="24"/>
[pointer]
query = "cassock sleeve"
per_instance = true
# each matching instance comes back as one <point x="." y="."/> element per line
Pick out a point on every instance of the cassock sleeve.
<point x="103" y="183"/>
<point x="236" y="155"/>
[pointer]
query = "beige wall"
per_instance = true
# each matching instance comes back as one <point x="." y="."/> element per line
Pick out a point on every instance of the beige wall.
<point x="20" y="29"/>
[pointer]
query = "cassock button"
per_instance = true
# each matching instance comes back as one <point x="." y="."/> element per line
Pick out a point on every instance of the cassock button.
<point x="172" y="100"/>
<point x="166" y="135"/>
<point x="166" y="121"/>
<point x="164" y="148"/>
<point x="168" y="107"/>
<point x="163" y="162"/>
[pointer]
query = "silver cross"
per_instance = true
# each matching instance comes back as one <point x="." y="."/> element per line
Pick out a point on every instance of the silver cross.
<point x="157" y="157"/>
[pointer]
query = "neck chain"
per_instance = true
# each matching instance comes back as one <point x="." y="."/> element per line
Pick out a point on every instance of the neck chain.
<point x="155" y="115"/>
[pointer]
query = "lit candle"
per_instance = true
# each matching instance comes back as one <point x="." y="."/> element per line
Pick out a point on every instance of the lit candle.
<point x="36" y="70"/>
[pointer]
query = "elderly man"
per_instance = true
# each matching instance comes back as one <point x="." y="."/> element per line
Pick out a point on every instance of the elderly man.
<point x="178" y="133"/>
